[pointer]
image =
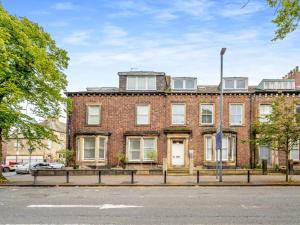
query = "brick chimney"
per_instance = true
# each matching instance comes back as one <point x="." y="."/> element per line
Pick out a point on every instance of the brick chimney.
<point x="294" y="74"/>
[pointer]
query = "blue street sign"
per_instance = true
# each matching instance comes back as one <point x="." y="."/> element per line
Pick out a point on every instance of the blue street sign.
<point x="219" y="140"/>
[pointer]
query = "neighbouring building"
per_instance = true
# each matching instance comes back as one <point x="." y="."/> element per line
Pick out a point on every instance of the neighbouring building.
<point x="17" y="147"/>
<point x="173" y="117"/>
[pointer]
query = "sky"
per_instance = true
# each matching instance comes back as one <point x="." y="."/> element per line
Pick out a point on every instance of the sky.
<point x="178" y="37"/>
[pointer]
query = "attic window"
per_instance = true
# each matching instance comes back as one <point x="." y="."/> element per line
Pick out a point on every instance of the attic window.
<point x="235" y="83"/>
<point x="184" y="83"/>
<point x="277" y="85"/>
<point x="141" y="83"/>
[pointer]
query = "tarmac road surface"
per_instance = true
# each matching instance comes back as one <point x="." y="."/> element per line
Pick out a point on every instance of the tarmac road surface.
<point x="155" y="205"/>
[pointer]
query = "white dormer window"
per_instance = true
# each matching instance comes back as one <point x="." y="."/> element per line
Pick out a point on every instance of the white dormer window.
<point x="141" y="83"/>
<point x="277" y="85"/>
<point x="235" y="83"/>
<point x="184" y="83"/>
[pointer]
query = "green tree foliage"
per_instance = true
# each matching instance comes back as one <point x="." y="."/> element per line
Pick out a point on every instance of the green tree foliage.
<point x="32" y="71"/>
<point x="281" y="132"/>
<point x="287" y="16"/>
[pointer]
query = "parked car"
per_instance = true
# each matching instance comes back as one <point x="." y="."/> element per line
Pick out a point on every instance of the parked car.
<point x="57" y="165"/>
<point x="24" y="169"/>
<point x="8" y="168"/>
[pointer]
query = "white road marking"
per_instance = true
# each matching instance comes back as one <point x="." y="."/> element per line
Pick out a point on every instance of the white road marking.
<point x="105" y="206"/>
<point x="250" y="207"/>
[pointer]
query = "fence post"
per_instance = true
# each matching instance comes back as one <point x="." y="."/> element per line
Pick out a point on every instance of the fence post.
<point x="132" y="178"/>
<point x="198" y="176"/>
<point x="165" y="176"/>
<point x="67" y="177"/>
<point x="34" y="177"/>
<point x="248" y="176"/>
<point x="99" y="177"/>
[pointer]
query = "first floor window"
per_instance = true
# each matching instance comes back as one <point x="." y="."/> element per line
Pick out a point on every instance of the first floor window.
<point x="294" y="153"/>
<point x="298" y="114"/>
<point x="178" y="114"/>
<point x="89" y="148"/>
<point x="264" y="111"/>
<point x="93" y="115"/>
<point x="236" y="114"/>
<point x="141" y="149"/>
<point x="206" y="112"/>
<point x="142" y="114"/>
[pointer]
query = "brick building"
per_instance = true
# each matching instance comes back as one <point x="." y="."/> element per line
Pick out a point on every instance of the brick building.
<point x="172" y="117"/>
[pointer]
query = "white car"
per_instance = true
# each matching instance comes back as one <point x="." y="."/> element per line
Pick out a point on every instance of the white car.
<point x="56" y="165"/>
<point x="21" y="169"/>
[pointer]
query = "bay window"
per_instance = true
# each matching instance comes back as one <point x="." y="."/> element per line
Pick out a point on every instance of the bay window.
<point x="294" y="153"/>
<point x="228" y="148"/>
<point x="89" y="148"/>
<point x="141" y="149"/>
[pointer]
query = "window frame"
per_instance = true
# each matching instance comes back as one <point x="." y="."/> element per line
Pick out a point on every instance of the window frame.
<point x="235" y="80"/>
<point x="242" y="115"/>
<point x="260" y="118"/>
<point x="142" y="149"/>
<point x="184" y="116"/>
<point x="81" y="157"/>
<point x="149" y="114"/>
<point x="87" y="113"/>
<point x="136" y="88"/>
<point x="231" y="148"/>
<point x="213" y="113"/>
<point x="295" y="149"/>
<point x="184" y="81"/>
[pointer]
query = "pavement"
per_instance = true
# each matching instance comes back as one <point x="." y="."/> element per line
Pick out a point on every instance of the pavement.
<point x="153" y="205"/>
<point x="152" y="180"/>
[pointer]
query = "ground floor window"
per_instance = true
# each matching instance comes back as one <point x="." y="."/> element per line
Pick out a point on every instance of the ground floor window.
<point x="294" y="153"/>
<point x="228" y="148"/>
<point x="141" y="149"/>
<point x="91" y="147"/>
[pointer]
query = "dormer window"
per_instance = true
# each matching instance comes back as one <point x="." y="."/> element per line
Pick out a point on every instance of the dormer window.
<point x="141" y="83"/>
<point x="184" y="83"/>
<point x="239" y="83"/>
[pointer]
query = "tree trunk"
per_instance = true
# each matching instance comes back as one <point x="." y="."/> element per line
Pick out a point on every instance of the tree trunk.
<point x="287" y="162"/>
<point x="2" y="178"/>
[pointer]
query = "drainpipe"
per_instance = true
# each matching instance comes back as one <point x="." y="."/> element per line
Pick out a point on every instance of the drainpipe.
<point x="250" y="133"/>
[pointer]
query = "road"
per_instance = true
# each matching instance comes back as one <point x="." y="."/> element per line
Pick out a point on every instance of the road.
<point x="157" y="205"/>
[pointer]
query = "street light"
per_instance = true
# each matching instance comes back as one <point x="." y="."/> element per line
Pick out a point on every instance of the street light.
<point x="220" y="134"/>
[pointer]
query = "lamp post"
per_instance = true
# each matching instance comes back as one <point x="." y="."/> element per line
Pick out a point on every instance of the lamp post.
<point x="220" y="134"/>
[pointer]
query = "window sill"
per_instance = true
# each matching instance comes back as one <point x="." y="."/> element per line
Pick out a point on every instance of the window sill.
<point x="237" y="125"/>
<point x="206" y="125"/>
<point x="148" y="161"/>
<point x="142" y="125"/>
<point x="92" y="125"/>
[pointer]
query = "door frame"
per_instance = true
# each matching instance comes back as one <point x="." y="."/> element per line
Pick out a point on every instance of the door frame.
<point x="178" y="137"/>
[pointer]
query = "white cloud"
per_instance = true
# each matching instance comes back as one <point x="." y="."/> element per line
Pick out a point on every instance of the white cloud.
<point x="64" y="6"/>
<point x="113" y="35"/>
<point x="236" y="9"/>
<point x="78" y="38"/>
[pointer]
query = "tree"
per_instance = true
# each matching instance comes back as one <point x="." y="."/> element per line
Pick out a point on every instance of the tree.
<point x="32" y="72"/>
<point x="287" y="16"/>
<point x="280" y="131"/>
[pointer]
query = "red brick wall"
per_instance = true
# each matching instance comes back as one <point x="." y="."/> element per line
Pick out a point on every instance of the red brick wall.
<point x="118" y="116"/>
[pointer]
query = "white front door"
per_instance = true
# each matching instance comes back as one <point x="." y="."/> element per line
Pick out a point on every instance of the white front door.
<point x="177" y="153"/>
